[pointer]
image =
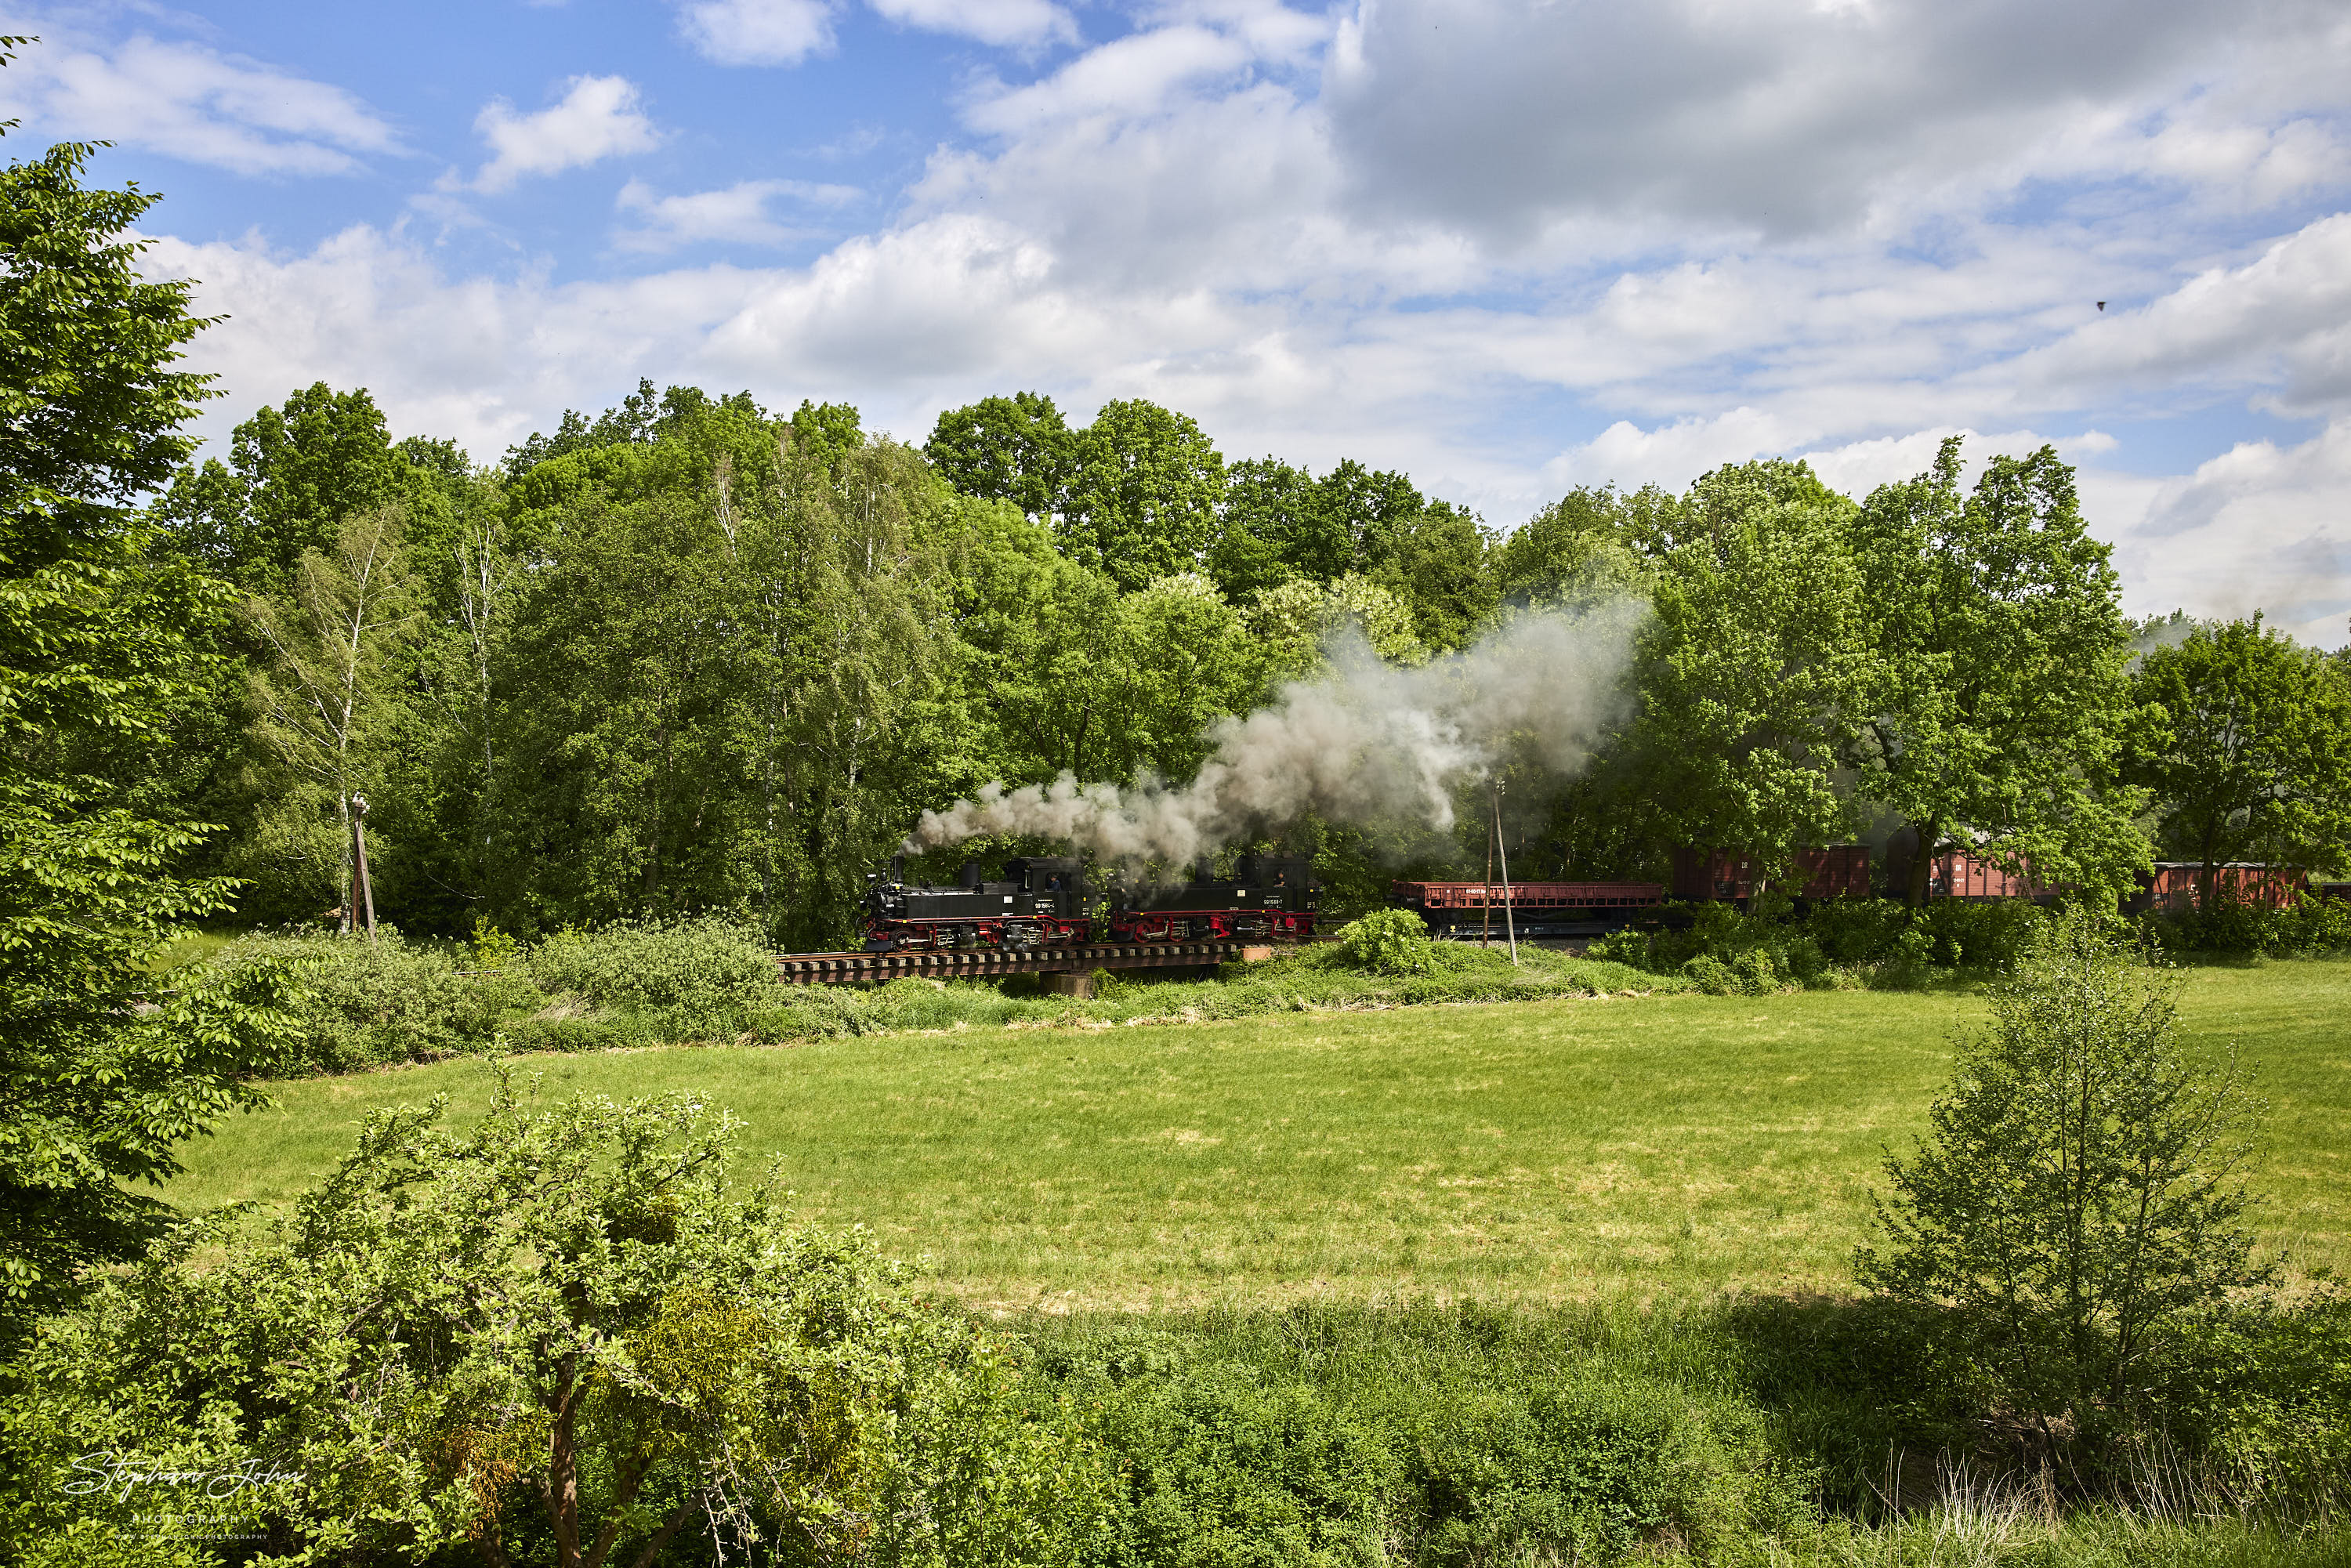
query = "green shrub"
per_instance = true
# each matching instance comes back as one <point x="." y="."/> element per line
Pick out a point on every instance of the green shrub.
<point x="573" y="1291"/>
<point x="696" y="980"/>
<point x="1858" y="930"/>
<point x="1594" y="1465"/>
<point x="1835" y="943"/>
<point x="1221" y="1467"/>
<point x="1988" y="935"/>
<point x="1712" y="975"/>
<point x="2309" y="925"/>
<point x="1389" y="942"/>
<point x="1461" y="1434"/>
<point x="364" y="1005"/>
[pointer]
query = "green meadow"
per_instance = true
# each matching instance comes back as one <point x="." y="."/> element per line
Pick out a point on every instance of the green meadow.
<point x="1563" y="1150"/>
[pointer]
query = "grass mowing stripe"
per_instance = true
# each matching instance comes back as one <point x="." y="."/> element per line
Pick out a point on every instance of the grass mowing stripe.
<point x="1555" y="1150"/>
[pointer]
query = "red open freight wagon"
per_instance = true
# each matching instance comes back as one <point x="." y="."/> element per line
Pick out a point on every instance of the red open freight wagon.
<point x="1534" y="908"/>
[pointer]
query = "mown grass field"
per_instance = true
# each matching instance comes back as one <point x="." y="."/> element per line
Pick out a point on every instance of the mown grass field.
<point x="1557" y="1150"/>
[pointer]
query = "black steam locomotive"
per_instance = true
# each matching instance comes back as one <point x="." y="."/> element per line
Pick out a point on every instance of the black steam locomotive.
<point x="1042" y="903"/>
<point x="1270" y="897"/>
<point x="1046" y="903"/>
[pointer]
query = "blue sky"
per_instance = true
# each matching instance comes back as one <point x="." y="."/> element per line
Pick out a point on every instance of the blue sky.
<point x="1505" y="248"/>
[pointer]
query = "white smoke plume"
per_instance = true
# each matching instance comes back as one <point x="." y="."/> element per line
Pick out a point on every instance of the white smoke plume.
<point x="1366" y="743"/>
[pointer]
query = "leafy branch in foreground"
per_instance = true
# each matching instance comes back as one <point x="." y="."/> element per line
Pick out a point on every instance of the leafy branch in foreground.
<point x="560" y="1336"/>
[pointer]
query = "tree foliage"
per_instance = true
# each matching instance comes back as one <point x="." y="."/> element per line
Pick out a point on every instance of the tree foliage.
<point x="561" y="1336"/>
<point x="1016" y="449"/>
<point x="1142" y="495"/>
<point x="688" y="656"/>
<point x="2244" y="742"/>
<point x="1755" y="669"/>
<point x="2079" y="1196"/>
<point x="99" y="1078"/>
<point x="2004" y="699"/>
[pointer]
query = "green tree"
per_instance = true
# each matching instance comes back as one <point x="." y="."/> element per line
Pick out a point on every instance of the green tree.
<point x="1358" y="519"/>
<point x="1435" y="562"/>
<point x="1754" y="663"/>
<point x="1292" y="623"/>
<point x="1267" y="531"/>
<point x="294" y="474"/>
<point x="642" y="417"/>
<point x="1582" y="545"/>
<point x="329" y="702"/>
<point x="726" y="680"/>
<point x="2006" y="692"/>
<point x="847" y="682"/>
<point x="620" y="686"/>
<point x="1016" y="449"/>
<point x="2079" y="1196"/>
<point x="1143" y="496"/>
<point x="2244" y="744"/>
<point x="1280" y="521"/>
<point x="827" y="434"/>
<point x="102" y="1072"/>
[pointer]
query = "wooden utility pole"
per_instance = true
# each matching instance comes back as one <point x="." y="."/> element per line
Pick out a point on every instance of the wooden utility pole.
<point x="1486" y="894"/>
<point x="359" y="851"/>
<point x="1510" y="922"/>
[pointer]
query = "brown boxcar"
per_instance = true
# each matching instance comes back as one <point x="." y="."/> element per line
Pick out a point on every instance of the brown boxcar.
<point x="1957" y="874"/>
<point x="1835" y="871"/>
<point x="2172" y="884"/>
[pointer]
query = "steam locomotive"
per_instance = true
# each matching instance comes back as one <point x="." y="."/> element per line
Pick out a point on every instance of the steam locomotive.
<point x="1042" y="903"/>
<point x="1046" y="903"/>
<point x="1267" y="895"/>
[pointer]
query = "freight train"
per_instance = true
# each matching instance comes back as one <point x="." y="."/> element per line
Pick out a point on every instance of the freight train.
<point x="1468" y="911"/>
<point x="1046" y="904"/>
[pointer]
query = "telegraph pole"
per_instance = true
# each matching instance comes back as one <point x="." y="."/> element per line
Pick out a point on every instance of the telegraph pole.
<point x="1510" y="922"/>
<point x="359" y="849"/>
<point x="1486" y="894"/>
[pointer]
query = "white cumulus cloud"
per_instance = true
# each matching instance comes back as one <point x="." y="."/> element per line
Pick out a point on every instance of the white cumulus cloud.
<point x="999" y="22"/>
<point x="740" y="213"/>
<point x="596" y="119"/>
<point x="191" y="102"/>
<point x="758" y="32"/>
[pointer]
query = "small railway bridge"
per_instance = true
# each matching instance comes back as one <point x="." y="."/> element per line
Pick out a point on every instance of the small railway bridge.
<point x="987" y="963"/>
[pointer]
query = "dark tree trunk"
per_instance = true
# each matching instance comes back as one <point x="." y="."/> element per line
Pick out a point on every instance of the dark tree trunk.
<point x="1922" y="862"/>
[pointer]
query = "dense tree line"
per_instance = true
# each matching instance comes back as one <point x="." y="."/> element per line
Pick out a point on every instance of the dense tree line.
<point x="689" y="654"/>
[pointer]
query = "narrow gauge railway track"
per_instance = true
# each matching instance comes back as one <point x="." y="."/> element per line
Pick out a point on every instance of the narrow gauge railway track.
<point x="971" y="963"/>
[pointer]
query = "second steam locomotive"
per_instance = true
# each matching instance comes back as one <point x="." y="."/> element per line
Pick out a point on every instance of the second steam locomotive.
<point x="1046" y="903"/>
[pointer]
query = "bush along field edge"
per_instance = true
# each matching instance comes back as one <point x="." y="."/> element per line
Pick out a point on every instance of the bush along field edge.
<point x="713" y="979"/>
